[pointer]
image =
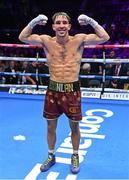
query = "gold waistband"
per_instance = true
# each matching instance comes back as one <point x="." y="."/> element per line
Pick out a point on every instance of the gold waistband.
<point x="64" y="87"/>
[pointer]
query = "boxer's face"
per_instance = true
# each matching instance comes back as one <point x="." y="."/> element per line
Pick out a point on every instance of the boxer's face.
<point x="61" y="26"/>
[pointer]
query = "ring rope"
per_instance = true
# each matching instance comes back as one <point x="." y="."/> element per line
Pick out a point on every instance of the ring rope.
<point x="81" y="76"/>
<point x="23" y="74"/>
<point x="27" y="86"/>
<point x="21" y="59"/>
<point x="86" y="46"/>
<point x="4" y="58"/>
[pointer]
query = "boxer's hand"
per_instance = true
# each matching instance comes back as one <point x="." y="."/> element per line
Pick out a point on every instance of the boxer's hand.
<point x="84" y="20"/>
<point x="40" y="19"/>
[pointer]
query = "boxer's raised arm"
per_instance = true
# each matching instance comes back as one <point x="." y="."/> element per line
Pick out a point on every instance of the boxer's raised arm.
<point x="100" y="35"/>
<point x="26" y="34"/>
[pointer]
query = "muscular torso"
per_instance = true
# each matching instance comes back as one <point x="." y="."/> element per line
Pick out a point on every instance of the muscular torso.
<point x="64" y="59"/>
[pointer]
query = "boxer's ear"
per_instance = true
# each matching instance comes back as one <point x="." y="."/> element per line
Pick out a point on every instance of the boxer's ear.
<point x="69" y="26"/>
<point x="53" y="27"/>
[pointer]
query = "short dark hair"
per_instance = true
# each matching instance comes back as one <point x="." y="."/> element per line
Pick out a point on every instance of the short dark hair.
<point x="61" y="14"/>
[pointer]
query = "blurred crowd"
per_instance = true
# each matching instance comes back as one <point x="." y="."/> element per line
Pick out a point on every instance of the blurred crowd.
<point x="112" y="14"/>
<point x="87" y="68"/>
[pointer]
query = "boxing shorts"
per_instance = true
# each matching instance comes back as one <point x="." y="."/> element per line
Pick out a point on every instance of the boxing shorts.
<point x="63" y="98"/>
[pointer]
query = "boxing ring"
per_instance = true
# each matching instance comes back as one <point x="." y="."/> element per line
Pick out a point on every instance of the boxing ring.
<point x="104" y="147"/>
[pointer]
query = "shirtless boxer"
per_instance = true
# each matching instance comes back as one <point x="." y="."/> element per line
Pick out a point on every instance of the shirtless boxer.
<point x="63" y="53"/>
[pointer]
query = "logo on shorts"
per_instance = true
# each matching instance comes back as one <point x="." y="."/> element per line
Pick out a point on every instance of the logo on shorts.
<point x="74" y="110"/>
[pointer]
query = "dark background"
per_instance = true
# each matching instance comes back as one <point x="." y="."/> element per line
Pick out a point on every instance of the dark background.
<point x="16" y="14"/>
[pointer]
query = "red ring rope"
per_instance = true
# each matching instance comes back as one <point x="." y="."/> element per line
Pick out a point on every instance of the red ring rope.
<point x="87" y="46"/>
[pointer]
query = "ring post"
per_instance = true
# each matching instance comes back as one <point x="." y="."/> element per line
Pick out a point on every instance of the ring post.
<point x="103" y="73"/>
<point x="37" y="71"/>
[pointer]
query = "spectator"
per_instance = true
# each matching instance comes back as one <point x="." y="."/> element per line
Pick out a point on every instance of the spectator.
<point x="11" y="79"/>
<point x="23" y="70"/>
<point x="31" y="68"/>
<point x="42" y="68"/>
<point x="96" y="68"/>
<point x="2" y="68"/>
<point x="85" y="70"/>
<point x="118" y="70"/>
<point x="108" y="67"/>
<point x="126" y="82"/>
